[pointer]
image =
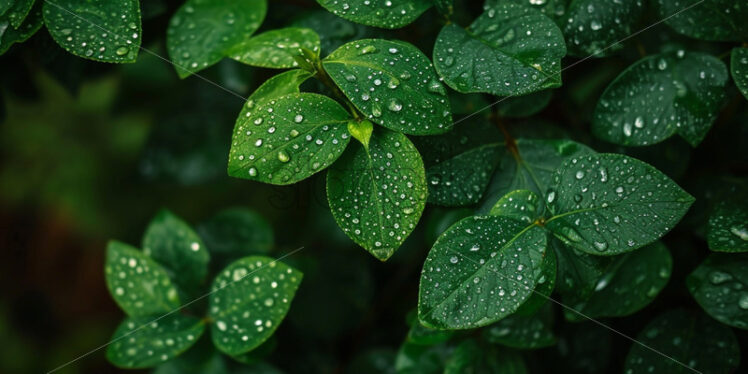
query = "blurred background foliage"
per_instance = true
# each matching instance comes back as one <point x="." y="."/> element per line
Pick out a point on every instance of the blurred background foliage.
<point x="91" y="151"/>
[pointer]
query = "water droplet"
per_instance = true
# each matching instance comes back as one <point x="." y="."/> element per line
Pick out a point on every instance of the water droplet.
<point x="121" y="51"/>
<point x="395" y="105"/>
<point x="453" y="259"/>
<point x="283" y="156"/>
<point x="298" y="118"/>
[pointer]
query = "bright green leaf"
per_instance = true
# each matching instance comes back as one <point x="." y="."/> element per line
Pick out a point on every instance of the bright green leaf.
<point x="739" y="69"/>
<point x="596" y="28"/>
<point x="727" y="230"/>
<point x="393" y="84"/>
<point x="173" y="244"/>
<point x="377" y="194"/>
<point x="523" y="332"/>
<point x="100" y="30"/>
<point x="275" y="48"/>
<point x="479" y="271"/>
<point x="470" y="357"/>
<point x="720" y="20"/>
<point x="607" y="204"/>
<point x="143" y="342"/>
<point x="237" y="232"/>
<point x="694" y="340"/>
<point x="720" y="286"/>
<point x="17" y="13"/>
<point x="661" y="95"/>
<point x="250" y="299"/>
<point x="509" y="50"/>
<point x="287" y="139"/>
<point x="279" y="85"/>
<point x="521" y="205"/>
<point x="201" y="32"/>
<point x="390" y="14"/>
<point x="139" y="285"/>
<point x="30" y="25"/>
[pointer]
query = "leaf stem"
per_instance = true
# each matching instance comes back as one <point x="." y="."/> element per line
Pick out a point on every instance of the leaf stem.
<point x="509" y="141"/>
<point x="323" y="77"/>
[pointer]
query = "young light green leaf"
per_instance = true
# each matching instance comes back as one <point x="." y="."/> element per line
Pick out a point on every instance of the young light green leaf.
<point x="661" y="95"/>
<point x="287" y="139"/>
<point x="139" y="285"/>
<point x="523" y="332"/>
<point x="393" y="84"/>
<point x="17" y="13"/>
<point x="100" y="30"/>
<point x="719" y="20"/>
<point x="30" y="25"/>
<point x="606" y="204"/>
<point x="237" y="232"/>
<point x="523" y="106"/>
<point x="720" y="286"/>
<point x="143" y="342"/>
<point x="469" y="357"/>
<point x="459" y="163"/>
<point x="275" y="48"/>
<point x="250" y="298"/>
<point x="479" y="271"/>
<point x="201" y="32"/>
<point x="596" y="28"/>
<point x="509" y="50"/>
<point x="173" y="244"/>
<point x="377" y="194"/>
<point x="739" y="69"/>
<point x="521" y="205"/>
<point x="390" y="14"/>
<point x="686" y="338"/>
<point x="728" y="223"/>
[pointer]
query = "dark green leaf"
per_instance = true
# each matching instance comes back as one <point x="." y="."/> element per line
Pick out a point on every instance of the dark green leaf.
<point x="377" y="194"/>
<point x="479" y="271"/>
<point x="596" y="28"/>
<point x="523" y="332"/>
<point x="422" y="359"/>
<point x="545" y="286"/>
<point x="422" y="335"/>
<point x="658" y="96"/>
<point x="739" y="69"/>
<point x="139" y="285"/>
<point x="706" y="19"/>
<point x="607" y="204"/>
<point x="523" y="106"/>
<point x="30" y="25"/>
<point x="509" y="50"/>
<point x="202" y="32"/>
<point x="720" y="286"/>
<point x="390" y="14"/>
<point x="697" y="342"/>
<point x="728" y="222"/>
<point x="555" y="9"/>
<point x="521" y="205"/>
<point x="393" y="84"/>
<point x="17" y="13"/>
<point x="201" y="362"/>
<point x="143" y="342"/>
<point x="287" y="139"/>
<point x="334" y="31"/>
<point x="276" y="48"/>
<point x="578" y="274"/>
<point x="173" y="244"/>
<point x="445" y="7"/>
<point x="237" y="232"/>
<point x="250" y="299"/>
<point x="470" y="357"/>
<point x="100" y="30"/>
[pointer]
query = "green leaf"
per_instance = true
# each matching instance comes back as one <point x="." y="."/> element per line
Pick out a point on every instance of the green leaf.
<point x="100" y="30"/>
<point x="333" y="31"/>
<point x="509" y="50"/>
<point x="377" y="194"/>
<point x="470" y="357"/>
<point x="555" y="9"/>
<point x="143" y="342"/>
<point x="578" y="274"/>
<point x="479" y="271"/>
<point x="728" y="223"/>
<point x="173" y="244"/>
<point x="606" y="204"/>
<point x="720" y="286"/>
<point x="691" y="339"/>
<point x="459" y="163"/>
<point x="422" y="335"/>
<point x="250" y="298"/>
<point x="521" y="205"/>
<point x="237" y="232"/>
<point x="201" y="32"/>
<point x="17" y="13"/>
<point x="390" y="14"/>
<point x="5" y="5"/>
<point x="422" y="359"/>
<point x="545" y="286"/>
<point x="287" y="139"/>
<point x="739" y="69"/>
<point x="445" y="7"/>
<point x="393" y="84"/>
<point x="523" y="332"/>
<point x="531" y="168"/>
<point x="523" y="106"/>
<point x="719" y="20"/>
<point x="629" y="283"/>
<point x="139" y="285"/>
<point x="10" y="35"/>
<point x="659" y="96"/>
<point x="275" y="48"/>
<point x="279" y="85"/>
<point x="596" y="28"/>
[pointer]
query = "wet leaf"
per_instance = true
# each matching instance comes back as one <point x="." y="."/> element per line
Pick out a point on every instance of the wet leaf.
<point x="692" y="339"/>
<point x="377" y="194"/>
<point x="606" y="204"/>
<point x="721" y="20"/>
<point x="100" y="30"/>
<point x="596" y="28"/>
<point x="509" y="50"/>
<point x="201" y="32"/>
<point x="275" y="48"/>
<point x="422" y="335"/>
<point x="393" y="84"/>
<point x="334" y="31"/>
<point x="479" y="271"/>
<point x="16" y="11"/>
<point x="143" y="342"/>
<point x="287" y="139"/>
<point x="578" y="274"/>
<point x="727" y="230"/>
<point x="555" y="9"/>
<point x="545" y="286"/>
<point x="470" y="357"/>
<point x="739" y="69"/>
<point x="523" y="106"/>
<point x="390" y="14"/>
<point x="720" y="286"/>
<point x="279" y="85"/>
<point x="139" y="285"/>
<point x="237" y="232"/>
<point x="521" y="205"/>
<point x="662" y="95"/>
<point x="250" y="298"/>
<point x="522" y="331"/>
<point x="11" y="35"/>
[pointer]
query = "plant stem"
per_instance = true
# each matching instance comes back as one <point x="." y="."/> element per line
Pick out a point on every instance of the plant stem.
<point x="322" y="76"/>
<point x="509" y="141"/>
